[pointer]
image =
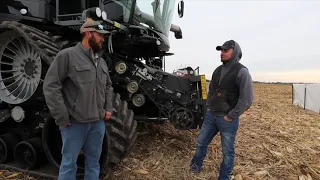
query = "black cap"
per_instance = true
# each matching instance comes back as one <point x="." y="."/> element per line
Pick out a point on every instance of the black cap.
<point x="227" y="45"/>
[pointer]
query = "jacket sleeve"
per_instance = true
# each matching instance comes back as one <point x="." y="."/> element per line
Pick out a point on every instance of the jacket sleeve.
<point x="109" y="94"/>
<point x="245" y="100"/>
<point x="210" y="91"/>
<point x="52" y="86"/>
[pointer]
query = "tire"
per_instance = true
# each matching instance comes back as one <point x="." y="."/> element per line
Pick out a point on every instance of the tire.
<point x="121" y="134"/>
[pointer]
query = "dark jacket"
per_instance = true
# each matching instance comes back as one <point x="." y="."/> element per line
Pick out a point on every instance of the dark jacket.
<point x="242" y="81"/>
<point x="75" y="88"/>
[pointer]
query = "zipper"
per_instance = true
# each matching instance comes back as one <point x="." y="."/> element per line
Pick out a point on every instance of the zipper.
<point x="98" y="100"/>
<point x="74" y="103"/>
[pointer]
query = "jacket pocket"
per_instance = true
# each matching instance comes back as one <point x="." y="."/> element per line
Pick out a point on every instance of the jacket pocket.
<point x="75" y="103"/>
<point x="232" y="98"/>
<point x="84" y="74"/>
<point x="220" y="102"/>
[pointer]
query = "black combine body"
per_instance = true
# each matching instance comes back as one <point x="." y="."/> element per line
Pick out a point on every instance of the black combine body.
<point x="32" y="32"/>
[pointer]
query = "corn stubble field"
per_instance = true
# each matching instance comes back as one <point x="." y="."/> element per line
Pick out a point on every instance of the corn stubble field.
<point x="275" y="140"/>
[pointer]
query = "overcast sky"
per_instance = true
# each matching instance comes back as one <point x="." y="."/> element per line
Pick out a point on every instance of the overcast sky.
<point x="280" y="40"/>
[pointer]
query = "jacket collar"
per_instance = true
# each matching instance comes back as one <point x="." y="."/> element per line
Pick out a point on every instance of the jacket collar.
<point x="87" y="51"/>
<point x="82" y="49"/>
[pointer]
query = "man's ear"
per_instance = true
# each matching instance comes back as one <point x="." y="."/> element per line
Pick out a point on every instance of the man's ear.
<point x="88" y="34"/>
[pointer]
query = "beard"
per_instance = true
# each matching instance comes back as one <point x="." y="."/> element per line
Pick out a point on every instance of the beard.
<point x="224" y="61"/>
<point x="96" y="47"/>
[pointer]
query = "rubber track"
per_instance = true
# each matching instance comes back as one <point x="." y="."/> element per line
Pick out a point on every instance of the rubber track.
<point x="122" y="132"/>
<point x="120" y="129"/>
<point x="36" y="38"/>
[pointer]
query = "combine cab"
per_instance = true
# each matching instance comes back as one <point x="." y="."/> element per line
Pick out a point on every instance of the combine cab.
<point x="33" y="32"/>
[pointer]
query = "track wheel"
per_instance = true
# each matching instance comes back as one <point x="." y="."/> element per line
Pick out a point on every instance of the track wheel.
<point x="7" y="144"/>
<point x="118" y="141"/>
<point x="30" y="153"/>
<point x="20" y="68"/>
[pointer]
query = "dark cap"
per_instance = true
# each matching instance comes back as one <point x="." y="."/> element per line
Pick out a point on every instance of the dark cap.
<point x="227" y="45"/>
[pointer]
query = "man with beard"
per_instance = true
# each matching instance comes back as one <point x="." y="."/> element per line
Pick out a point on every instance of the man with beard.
<point x="230" y="95"/>
<point x="78" y="92"/>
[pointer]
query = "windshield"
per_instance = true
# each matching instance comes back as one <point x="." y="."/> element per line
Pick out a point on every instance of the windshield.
<point x="155" y="13"/>
<point x="118" y="10"/>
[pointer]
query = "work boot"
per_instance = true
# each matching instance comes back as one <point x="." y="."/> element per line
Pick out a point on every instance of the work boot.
<point x="195" y="169"/>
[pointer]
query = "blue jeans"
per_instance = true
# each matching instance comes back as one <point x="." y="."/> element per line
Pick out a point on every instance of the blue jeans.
<point x="211" y="126"/>
<point x="88" y="136"/>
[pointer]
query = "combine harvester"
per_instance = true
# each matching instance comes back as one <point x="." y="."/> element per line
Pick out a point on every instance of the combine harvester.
<point x="33" y="32"/>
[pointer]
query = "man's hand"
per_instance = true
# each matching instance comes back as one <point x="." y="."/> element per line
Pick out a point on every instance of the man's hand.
<point x="227" y="119"/>
<point x="107" y="115"/>
<point x="69" y="124"/>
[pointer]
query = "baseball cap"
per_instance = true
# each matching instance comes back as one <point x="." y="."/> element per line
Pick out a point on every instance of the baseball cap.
<point x="91" y="25"/>
<point x="227" y="45"/>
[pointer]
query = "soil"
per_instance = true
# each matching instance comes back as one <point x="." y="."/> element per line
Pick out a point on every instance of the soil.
<point x="275" y="140"/>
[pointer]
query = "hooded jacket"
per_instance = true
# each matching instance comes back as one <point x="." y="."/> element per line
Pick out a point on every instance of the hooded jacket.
<point x="243" y="82"/>
<point x="76" y="88"/>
